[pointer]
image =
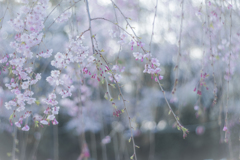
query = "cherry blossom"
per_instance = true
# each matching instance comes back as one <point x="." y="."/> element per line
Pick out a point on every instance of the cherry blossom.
<point x="54" y="122"/>
<point x="18" y="124"/>
<point x="225" y="128"/>
<point x="138" y="55"/>
<point x="44" y="122"/>
<point x="26" y="128"/>
<point x="51" y="117"/>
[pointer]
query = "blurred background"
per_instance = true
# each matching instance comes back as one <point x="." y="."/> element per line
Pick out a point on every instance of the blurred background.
<point x="88" y="126"/>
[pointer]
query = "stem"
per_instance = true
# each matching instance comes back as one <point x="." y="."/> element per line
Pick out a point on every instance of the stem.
<point x="212" y="56"/>
<point x="108" y="91"/>
<point x="90" y="26"/>
<point x="145" y="53"/>
<point x="82" y="139"/>
<point x="52" y="10"/>
<point x="124" y="18"/>
<point x="62" y="13"/>
<point x="83" y="33"/>
<point x="3" y="16"/>
<point x="104" y="150"/>
<point x="125" y="107"/>
<point x="179" y="52"/>
<point x="130" y="126"/>
<point x="118" y="31"/>
<point x="99" y="18"/>
<point x="226" y="120"/>
<point x="170" y="108"/>
<point x="153" y="26"/>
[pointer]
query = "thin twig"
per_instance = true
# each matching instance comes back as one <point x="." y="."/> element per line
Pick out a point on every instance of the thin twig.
<point x="90" y="26"/>
<point x="52" y="10"/>
<point x="125" y="107"/>
<point x="170" y="108"/>
<point x="62" y="13"/>
<point x="179" y="52"/>
<point x="121" y="95"/>
<point x="176" y="118"/>
<point x="228" y="77"/>
<point x="118" y="31"/>
<point x="100" y="18"/>
<point x="3" y="15"/>
<point x="126" y="19"/>
<point x="153" y="26"/>
<point x="212" y="56"/>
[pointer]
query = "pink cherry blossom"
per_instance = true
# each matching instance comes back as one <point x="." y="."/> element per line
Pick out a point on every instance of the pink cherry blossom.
<point x="225" y="128"/>
<point x="18" y="124"/>
<point x="54" y="122"/>
<point x="44" y="122"/>
<point x="26" y="128"/>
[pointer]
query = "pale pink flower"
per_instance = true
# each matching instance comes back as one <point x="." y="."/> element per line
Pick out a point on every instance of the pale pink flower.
<point x="55" y="73"/>
<point x="91" y="59"/>
<point x="196" y="108"/>
<point x="21" y="108"/>
<point x="52" y="96"/>
<point x="38" y="76"/>
<point x="112" y="33"/>
<point x="51" y="117"/>
<point x="55" y="110"/>
<point x="18" y="124"/>
<point x="44" y="122"/>
<point x="160" y="77"/>
<point x="12" y="103"/>
<point x="28" y="54"/>
<point x="26" y="128"/>
<point x="54" y="122"/>
<point x="155" y="61"/>
<point x="25" y="85"/>
<point x="31" y="100"/>
<point x="27" y="114"/>
<point x="28" y="70"/>
<point x="225" y="128"/>
<point x="59" y="57"/>
<point x="137" y="55"/>
<point x="123" y="36"/>
<point x="8" y="106"/>
<point x="106" y="140"/>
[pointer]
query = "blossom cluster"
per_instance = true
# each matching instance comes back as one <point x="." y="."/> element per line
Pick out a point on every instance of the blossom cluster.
<point x="152" y="65"/>
<point x="117" y="70"/>
<point x="28" y="25"/>
<point x="76" y="54"/>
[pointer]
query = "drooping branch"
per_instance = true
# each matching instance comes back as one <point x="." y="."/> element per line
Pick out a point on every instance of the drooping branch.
<point x="2" y="18"/>
<point x="155" y="15"/>
<point x="228" y="75"/>
<point x="212" y="56"/>
<point x="129" y="119"/>
<point x="176" y="68"/>
<point x="175" y="117"/>
<point x="126" y="19"/>
<point x="62" y="13"/>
